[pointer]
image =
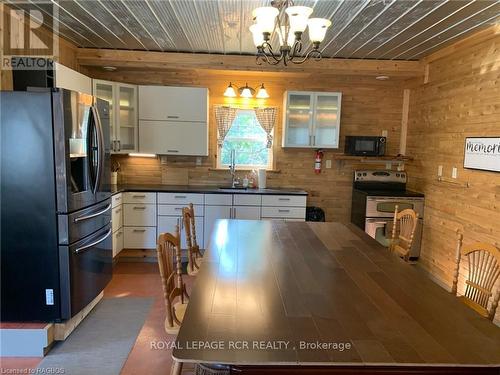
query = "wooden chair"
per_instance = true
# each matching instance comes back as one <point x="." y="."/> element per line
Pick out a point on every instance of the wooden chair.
<point x="168" y="248"/>
<point x="484" y="270"/>
<point x="407" y="220"/>
<point x="194" y="254"/>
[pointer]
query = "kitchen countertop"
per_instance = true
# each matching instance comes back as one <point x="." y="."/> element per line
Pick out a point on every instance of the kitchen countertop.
<point x="208" y="189"/>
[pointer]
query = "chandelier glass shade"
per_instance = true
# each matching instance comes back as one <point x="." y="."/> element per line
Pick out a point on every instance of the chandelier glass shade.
<point x="289" y="22"/>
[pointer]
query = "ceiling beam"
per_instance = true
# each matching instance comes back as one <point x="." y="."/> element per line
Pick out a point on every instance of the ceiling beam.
<point x="167" y="60"/>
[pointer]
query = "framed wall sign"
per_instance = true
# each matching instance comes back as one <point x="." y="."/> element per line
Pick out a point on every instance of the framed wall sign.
<point x="482" y="153"/>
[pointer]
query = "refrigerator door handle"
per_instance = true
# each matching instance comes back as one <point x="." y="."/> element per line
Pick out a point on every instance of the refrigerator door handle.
<point x="81" y="218"/>
<point x="100" y="148"/>
<point x="80" y="249"/>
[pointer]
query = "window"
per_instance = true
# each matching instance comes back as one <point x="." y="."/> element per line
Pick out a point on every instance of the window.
<point x="247" y="137"/>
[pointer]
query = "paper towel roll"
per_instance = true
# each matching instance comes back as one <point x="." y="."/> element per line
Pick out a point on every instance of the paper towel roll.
<point x="262" y="178"/>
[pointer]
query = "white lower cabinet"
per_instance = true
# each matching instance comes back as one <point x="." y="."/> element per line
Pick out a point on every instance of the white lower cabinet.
<point x="170" y="207"/>
<point x="212" y="214"/>
<point x="246" y="213"/>
<point x="117" y="223"/>
<point x="145" y="215"/>
<point x="139" y="237"/>
<point x="166" y="224"/>
<point x="117" y="242"/>
<point x="284" y="207"/>
<point x="139" y="220"/>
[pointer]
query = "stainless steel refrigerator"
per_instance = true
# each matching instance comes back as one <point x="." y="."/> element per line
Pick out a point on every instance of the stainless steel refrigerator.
<point x="56" y="251"/>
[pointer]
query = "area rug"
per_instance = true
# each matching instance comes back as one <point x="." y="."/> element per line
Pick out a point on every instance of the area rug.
<point x="102" y="342"/>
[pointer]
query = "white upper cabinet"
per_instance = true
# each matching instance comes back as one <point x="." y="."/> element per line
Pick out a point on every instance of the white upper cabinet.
<point x="70" y="79"/>
<point x="173" y="120"/>
<point x="169" y="103"/>
<point x="311" y="119"/>
<point x="122" y="100"/>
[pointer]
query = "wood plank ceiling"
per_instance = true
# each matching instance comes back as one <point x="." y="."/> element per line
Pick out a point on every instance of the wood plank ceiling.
<point x="362" y="29"/>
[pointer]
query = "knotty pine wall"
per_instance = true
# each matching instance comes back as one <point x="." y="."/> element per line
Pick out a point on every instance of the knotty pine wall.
<point x="368" y="107"/>
<point x="66" y="51"/>
<point x="461" y="99"/>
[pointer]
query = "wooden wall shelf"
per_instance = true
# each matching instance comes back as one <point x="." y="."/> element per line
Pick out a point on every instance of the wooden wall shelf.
<point x="373" y="159"/>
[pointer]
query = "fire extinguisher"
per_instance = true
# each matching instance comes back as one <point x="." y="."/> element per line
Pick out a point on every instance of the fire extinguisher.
<point x="317" y="161"/>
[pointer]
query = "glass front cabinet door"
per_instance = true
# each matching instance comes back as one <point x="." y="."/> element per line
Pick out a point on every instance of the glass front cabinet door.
<point x="122" y="100"/>
<point x="312" y="119"/>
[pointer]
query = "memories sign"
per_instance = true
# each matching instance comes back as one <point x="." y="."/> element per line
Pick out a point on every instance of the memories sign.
<point x="482" y="153"/>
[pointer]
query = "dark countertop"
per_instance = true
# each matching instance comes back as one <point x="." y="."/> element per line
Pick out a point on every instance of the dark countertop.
<point x="330" y="283"/>
<point x="200" y="189"/>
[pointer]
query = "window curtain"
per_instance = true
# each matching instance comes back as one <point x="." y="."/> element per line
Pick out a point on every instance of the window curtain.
<point x="224" y="117"/>
<point x="267" y="118"/>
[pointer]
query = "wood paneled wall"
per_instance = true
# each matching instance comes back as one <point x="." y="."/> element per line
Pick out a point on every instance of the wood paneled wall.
<point x="66" y="51"/>
<point x="368" y="107"/>
<point x="461" y="99"/>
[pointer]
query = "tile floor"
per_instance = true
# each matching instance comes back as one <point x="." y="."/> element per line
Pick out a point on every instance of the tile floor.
<point x="130" y="279"/>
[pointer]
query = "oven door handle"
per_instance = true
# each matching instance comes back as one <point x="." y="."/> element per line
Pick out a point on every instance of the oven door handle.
<point x="80" y="249"/>
<point x="81" y="218"/>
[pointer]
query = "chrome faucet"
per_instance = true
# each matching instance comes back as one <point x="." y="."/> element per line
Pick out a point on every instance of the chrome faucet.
<point x="232" y="169"/>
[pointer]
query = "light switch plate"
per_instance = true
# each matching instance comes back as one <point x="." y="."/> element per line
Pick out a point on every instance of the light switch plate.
<point x="384" y="133"/>
<point x="440" y="171"/>
<point x="328" y="164"/>
<point x="198" y="161"/>
<point x="454" y="172"/>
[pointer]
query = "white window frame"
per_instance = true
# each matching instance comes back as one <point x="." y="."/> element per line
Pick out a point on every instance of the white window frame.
<point x="247" y="167"/>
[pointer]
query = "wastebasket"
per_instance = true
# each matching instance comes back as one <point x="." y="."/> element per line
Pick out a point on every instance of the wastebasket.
<point x="315" y="214"/>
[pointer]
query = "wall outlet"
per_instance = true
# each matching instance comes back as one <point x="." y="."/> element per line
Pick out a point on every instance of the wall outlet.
<point x="384" y="133"/>
<point x="198" y="161"/>
<point x="163" y="159"/>
<point x="440" y="171"/>
<point x="328" y="164"/>
<point x="454" y="172"/>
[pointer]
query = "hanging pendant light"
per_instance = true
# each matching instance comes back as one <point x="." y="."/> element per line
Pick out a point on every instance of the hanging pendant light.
<point x="289" y="22"/>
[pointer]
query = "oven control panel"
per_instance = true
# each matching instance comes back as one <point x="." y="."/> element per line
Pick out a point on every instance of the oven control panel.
<point x="380" y="176"/>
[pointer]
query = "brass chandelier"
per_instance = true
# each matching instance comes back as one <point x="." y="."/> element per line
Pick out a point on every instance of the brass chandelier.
<point x="289" y="22"/>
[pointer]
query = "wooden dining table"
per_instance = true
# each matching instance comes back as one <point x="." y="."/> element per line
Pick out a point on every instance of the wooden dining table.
<point x="294" y="297"/>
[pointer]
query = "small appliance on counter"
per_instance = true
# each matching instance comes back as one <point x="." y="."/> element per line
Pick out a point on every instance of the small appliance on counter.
<point x="374" y="198"/>
<point x="364" y="145"/>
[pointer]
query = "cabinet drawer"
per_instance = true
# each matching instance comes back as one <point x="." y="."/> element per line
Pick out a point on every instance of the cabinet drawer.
<point x="284" y="212"/>
<point x="139" y="237"/>
<point x="131" y="197"/>
<point x="116" y="200"/>
<point x="247" y="200"/>
<point x="117" y="242"/>
<point x="219" y="199"/>
<point x="180" y="198"/>
<point x="143" y="215"/>
<point x="117" y="218"/>
<point x="176" y="210"/>
<point x="284" y="200"/>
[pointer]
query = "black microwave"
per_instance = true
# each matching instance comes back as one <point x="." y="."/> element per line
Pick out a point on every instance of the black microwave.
<point x="364" y="145"/>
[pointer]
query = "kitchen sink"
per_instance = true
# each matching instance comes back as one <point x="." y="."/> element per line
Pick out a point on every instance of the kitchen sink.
<point x="232" y="188"/>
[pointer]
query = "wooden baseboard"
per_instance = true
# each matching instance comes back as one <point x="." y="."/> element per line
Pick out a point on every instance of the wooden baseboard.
<point x="63" y="330"/>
